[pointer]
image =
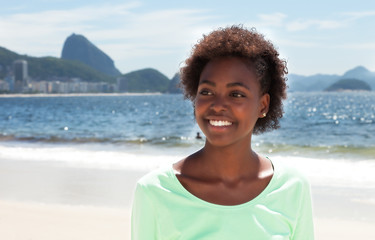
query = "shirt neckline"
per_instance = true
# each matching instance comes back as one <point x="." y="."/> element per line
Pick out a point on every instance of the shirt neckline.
<point x="220" y="206"/>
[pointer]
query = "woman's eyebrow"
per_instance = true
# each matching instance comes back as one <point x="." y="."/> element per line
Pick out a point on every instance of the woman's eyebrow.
<point x="233" y="84"/>
<point x="207" y="82"/>
<point x="240" y="84"/>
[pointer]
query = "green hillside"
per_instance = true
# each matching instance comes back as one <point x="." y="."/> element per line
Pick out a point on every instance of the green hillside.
<point x="349" y="84"/>
<point x="145" y="80"/>
<point x="47" y="67"/>
<point x="174" y="84"/>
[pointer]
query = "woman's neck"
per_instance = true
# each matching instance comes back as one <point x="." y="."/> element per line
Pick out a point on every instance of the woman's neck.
<point x="229" y="163"/>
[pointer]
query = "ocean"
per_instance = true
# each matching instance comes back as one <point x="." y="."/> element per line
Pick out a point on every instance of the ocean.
<point x="331" y="136"/>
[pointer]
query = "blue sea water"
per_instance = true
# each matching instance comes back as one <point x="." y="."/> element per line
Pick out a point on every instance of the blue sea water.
<point x="313" y="123"/>
<point x="148" y="119"/>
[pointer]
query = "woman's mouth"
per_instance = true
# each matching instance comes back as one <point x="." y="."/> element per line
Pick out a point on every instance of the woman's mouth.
<point x="220" y="123"/>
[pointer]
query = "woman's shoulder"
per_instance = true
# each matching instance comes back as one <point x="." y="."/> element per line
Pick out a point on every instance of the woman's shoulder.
<point x="156" y="177"/>
<point x="285" y="172"/>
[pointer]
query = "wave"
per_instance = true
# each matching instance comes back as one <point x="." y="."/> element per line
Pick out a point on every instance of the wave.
<point x="321" y="170"/>
<point x="321" y="151"/>
<point x="97" y="156"/>
<point x="166" y="141"/>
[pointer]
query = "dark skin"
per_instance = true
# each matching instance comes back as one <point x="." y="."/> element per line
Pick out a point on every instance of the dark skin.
<point x="226" y="171"/>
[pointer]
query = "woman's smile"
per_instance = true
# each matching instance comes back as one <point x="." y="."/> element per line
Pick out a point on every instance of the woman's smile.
<point x="219" y="126"/>
<point x="220" y="123"/>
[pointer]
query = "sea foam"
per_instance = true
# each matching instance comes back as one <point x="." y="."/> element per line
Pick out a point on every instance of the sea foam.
<point x="321" y="171"/>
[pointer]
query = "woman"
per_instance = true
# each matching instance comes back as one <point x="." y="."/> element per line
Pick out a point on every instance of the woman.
<point x="236" y="82"/>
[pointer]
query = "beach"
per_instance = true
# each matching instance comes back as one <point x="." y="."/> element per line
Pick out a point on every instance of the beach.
<point x="46" y="200"/>
<point x="48" y="221"/>
<point x="40" y="200"/>
<point x="21" y="220"/>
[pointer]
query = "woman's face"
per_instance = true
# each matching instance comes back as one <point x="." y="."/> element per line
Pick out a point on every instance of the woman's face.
<point x="229" y="101"/>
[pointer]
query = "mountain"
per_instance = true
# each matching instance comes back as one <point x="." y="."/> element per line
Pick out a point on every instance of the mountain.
<point x="349" y="84"/>
<point x="359" y="71"/>
<point x="362" y="74"/>
<point x="320" y="82"/>
<point x="173" y="84"/>
<point x="42" y="68"/>
<point x="316" y="82"/>
<point x="145" y="80"/>
<point x="77" y="47"/>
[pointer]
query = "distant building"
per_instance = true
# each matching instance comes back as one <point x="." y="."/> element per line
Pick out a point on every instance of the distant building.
<point x="20" y="75"/>
<point x="4" y="86"/>
<point x="40" y="87"/>
<point x="62" y="85"/>
<point x="10" y="80"/>
<point x="122" y="84"/>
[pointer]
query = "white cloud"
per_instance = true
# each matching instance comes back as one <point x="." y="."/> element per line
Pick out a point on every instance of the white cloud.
<point x="357" y="46"/>
<point x="279" y="21"/>
<point x="275" y="19"/>
<point x="33" y="32"/>
<point x="357" y="15"/>
<point x="103" y="23"/>
<point x="158" y="33"/>
<point x="122" y="31"/>
<point x="340" y="21"/>
<point x="297" y="44"/>
<point x="299" y="25"/>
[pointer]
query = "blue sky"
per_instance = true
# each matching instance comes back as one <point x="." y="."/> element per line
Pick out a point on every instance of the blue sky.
<point x="318" y="36"/>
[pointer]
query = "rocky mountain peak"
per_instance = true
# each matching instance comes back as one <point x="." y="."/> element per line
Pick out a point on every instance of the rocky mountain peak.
<point x="77" y="47"/>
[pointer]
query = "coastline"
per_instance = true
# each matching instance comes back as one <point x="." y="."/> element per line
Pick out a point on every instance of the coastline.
<point x="27" y="95"/>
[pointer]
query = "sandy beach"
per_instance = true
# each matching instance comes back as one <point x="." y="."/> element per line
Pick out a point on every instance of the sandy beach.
<point x="42" y="200"/>
<point x="20" y="220"/>
<point x="60" y="222"/>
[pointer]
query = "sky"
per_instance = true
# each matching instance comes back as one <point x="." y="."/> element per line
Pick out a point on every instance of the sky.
<point x="321" y="36"/>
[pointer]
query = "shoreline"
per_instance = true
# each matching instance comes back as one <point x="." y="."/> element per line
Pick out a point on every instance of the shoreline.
<point x="26" y="95"/>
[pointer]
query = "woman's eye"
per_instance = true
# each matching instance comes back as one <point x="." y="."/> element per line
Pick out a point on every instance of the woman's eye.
<point x="205" y="92"/>
<point x="237" y="95"/>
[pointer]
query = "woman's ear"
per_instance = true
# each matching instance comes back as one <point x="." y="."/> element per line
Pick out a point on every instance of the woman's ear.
<point x="264" y="105"/>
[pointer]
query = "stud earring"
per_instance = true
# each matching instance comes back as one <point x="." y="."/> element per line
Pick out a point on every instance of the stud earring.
<point x="264" y="114"/>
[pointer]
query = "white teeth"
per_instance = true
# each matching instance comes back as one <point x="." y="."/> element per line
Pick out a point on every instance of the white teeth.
<point x="220" y="123"/>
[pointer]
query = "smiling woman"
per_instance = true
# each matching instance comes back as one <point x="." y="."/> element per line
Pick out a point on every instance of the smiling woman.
<point x="226" y="190"/>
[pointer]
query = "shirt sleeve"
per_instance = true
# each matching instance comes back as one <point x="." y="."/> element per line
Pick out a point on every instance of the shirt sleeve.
<point x="143" y="222"/>
<point x="304" y="229"/>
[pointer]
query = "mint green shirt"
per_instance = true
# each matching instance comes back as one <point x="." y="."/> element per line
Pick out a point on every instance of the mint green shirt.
<point x="164" y="209"/>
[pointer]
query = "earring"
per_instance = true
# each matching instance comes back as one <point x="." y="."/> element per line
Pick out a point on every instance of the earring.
<point x="264" y="114"/>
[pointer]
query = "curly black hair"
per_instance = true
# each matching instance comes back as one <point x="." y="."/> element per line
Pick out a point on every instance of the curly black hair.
<point x="237" y="41"/>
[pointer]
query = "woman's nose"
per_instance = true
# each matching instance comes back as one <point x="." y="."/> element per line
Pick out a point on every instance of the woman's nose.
<point x="219" y="104"/>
